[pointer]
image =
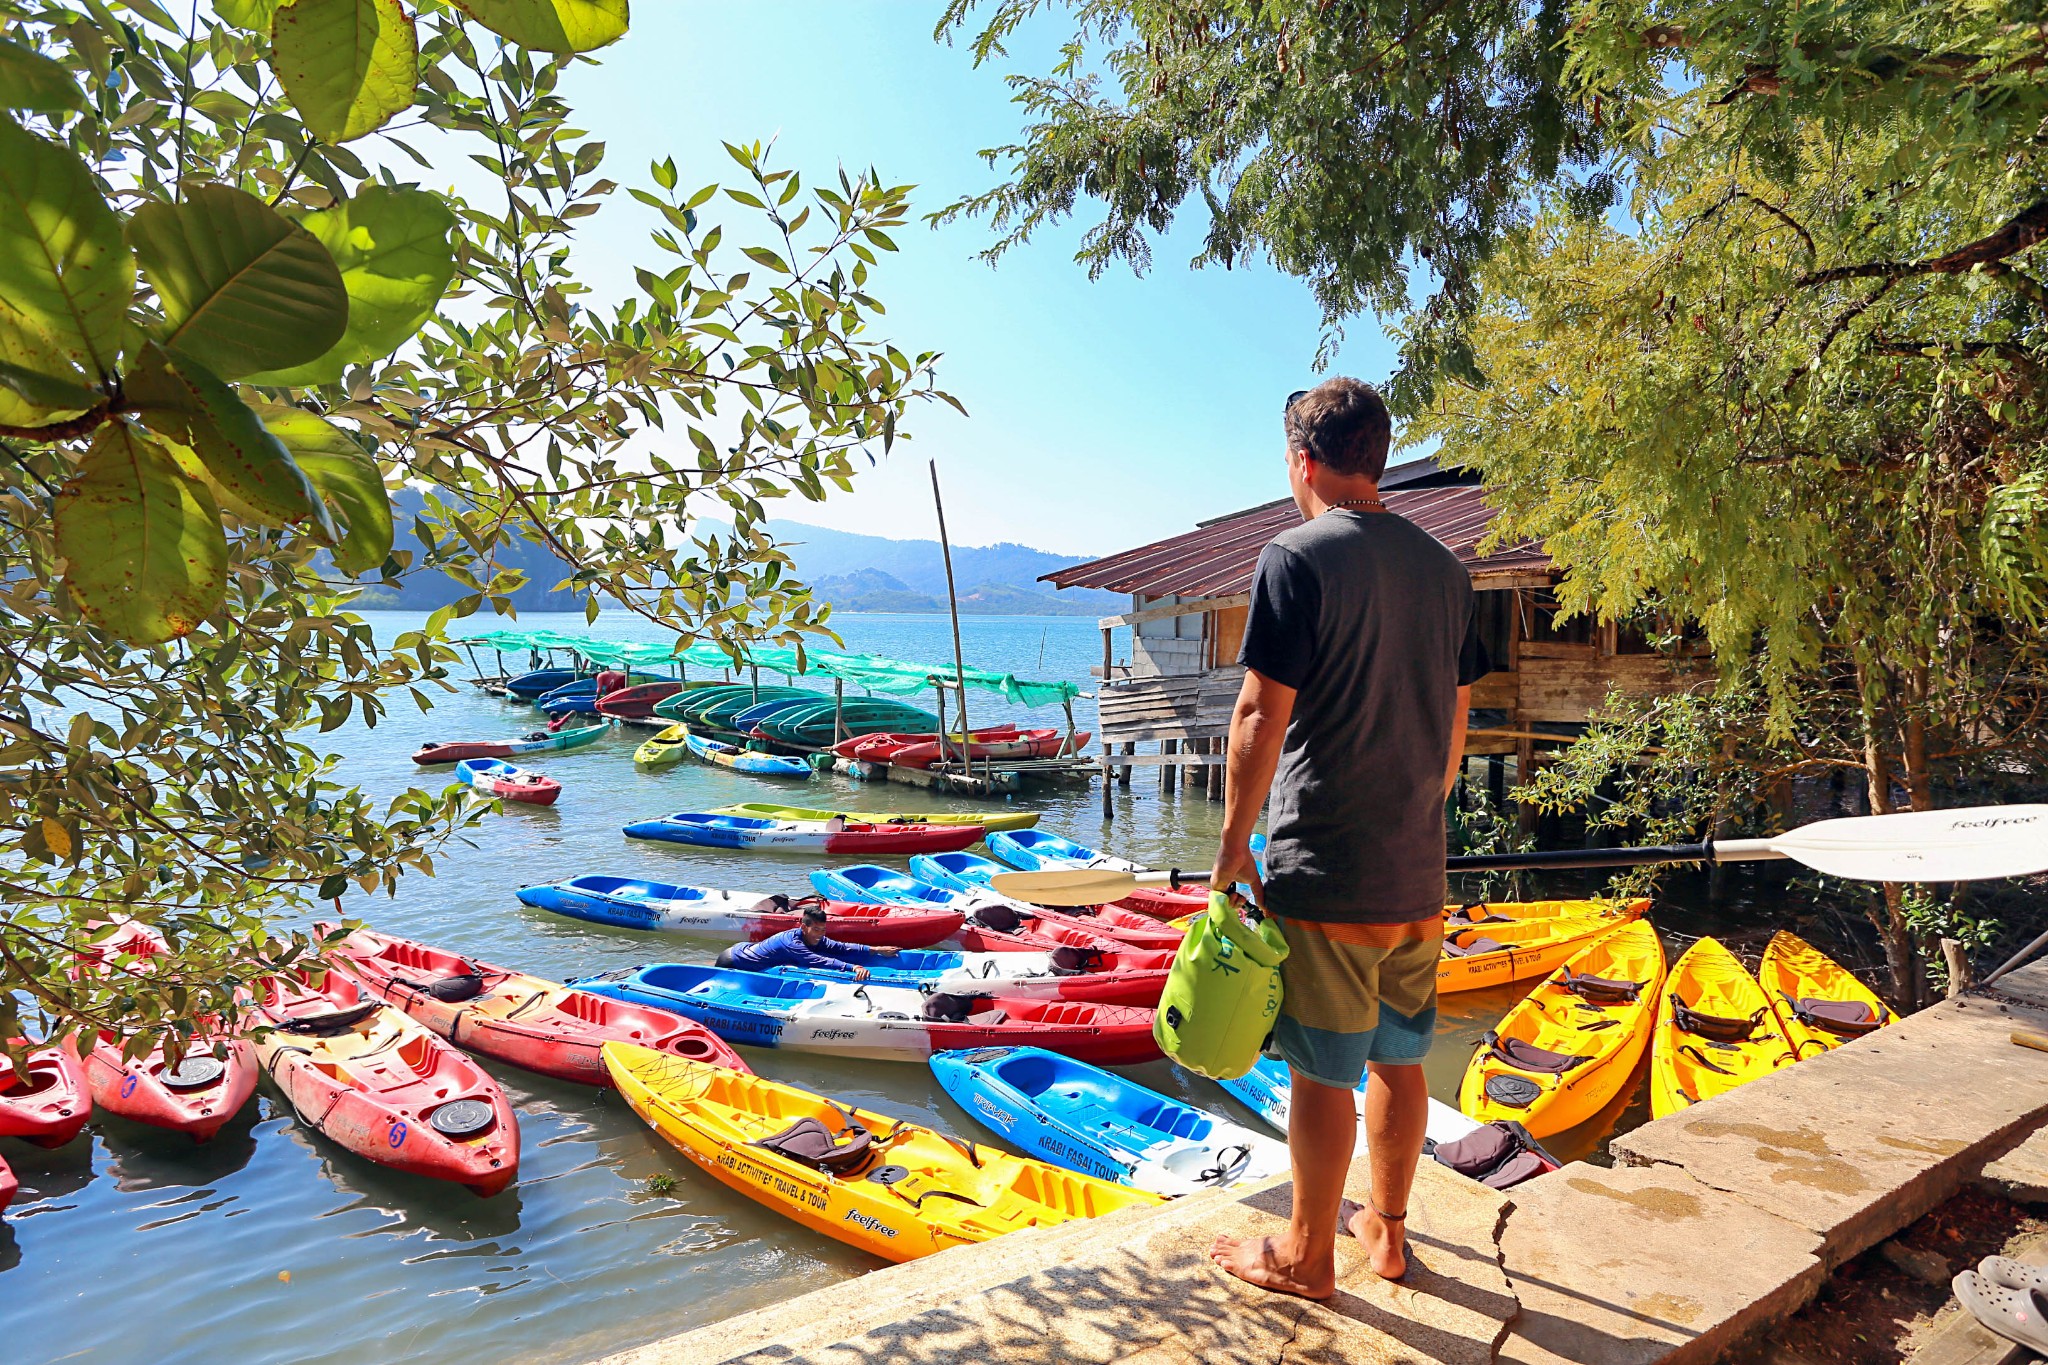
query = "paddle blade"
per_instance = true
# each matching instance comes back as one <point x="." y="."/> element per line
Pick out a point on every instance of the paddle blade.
<point x="1073" y="886"/>
<point x="1970" y="843"/>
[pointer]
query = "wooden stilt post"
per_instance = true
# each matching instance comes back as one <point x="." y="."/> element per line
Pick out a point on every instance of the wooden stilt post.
<point x="1216" y="774"/>
<point x="1068" y="748"/>
<point x="1167" y="770"/>
<point x="838" y="710"/>
<point x="1108" y="786"/>
<point x="754" y="672"/>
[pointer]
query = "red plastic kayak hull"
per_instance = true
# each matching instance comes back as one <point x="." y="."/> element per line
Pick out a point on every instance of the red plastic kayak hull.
<point x="561" y="1036"/>
<point x="1162" y="904"/>
<point x="138" y="1090"/>
<point x="458" y="750"/>
<point x="872" y="926"/>
<point x="541" y="791"/>
<point x="382" y="1103"/>
<point x="1118" y="924"/>
<point x="8" y="1185"/>
<point x="51" y="1104"/>
<point x="638" y="701"/>
<point x="1108" y="1035"/>
<point x="880" y="839"/>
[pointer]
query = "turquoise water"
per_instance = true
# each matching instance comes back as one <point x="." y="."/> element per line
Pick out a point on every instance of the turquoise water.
<point x="272" y="1244"/>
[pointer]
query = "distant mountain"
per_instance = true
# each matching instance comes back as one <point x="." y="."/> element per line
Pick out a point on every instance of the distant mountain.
<point x="851" y="571"/>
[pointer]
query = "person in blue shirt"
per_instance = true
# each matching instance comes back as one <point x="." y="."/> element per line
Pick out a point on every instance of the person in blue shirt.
<point x="803" y="946"/>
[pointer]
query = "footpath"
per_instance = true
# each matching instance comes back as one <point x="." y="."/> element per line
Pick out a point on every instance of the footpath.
<point x="1711" y="1226"/>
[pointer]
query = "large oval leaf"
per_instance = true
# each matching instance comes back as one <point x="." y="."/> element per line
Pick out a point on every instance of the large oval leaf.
<point x="551" y="25"/>
<point x="392" y="244"/>
<point x="346" y="474"/>
<point x="145" y="554"/>
<point x="29" y="80"/>
<point x="254" y="15"/>
<point x="179" y="399"/>
<point x="347" y="65"/>
<point x="66" y="277"/>
<point x="243" y="288"/>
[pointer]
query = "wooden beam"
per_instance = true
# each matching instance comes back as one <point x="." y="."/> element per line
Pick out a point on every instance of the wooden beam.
<point x="1207" y="604"/>
<point x="1158" y="760"/>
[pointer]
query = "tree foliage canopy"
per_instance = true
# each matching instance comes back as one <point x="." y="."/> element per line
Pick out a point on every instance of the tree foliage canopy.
<point x="228" y="325"/>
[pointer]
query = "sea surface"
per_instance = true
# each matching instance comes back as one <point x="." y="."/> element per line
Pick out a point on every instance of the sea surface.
<point x="272" y="1244"/>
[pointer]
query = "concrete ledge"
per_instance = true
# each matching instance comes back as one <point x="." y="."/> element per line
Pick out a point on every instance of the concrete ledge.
<point x="1629" y="1266"/>
<point x="1139" y="1287"/>
<point x="1856" y="1144"/>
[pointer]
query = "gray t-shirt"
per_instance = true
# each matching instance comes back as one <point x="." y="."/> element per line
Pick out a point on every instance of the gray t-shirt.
<point x="1371" y="620"/>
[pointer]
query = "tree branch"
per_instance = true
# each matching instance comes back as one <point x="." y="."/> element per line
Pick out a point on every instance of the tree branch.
<point x="2025" y="229"/>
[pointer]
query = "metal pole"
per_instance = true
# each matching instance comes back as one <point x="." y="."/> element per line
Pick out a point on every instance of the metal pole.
<point x="754" y="672"/>
<point x="838" y="710"/>
<point x="953" y="606"/>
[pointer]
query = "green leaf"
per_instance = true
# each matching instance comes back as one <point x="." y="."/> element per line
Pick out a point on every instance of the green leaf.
<point x="254" y="15"/>
<point x="29" y="80"/>
<point x="145" y="554"/>
<point x="333" y="886"/>
<point x="346" y="474"/>
<point x="66" y="277"/>
<point x="393" y="247"/>
<point x="242" y="287"/>
<point x="347" y="65"/>
<point x="551" y="25"/>
<point x="180" y="400"/>
<point x="56" y="399"/>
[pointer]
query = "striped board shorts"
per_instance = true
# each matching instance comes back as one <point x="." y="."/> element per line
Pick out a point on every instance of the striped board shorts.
<point x="1356" y="993"/>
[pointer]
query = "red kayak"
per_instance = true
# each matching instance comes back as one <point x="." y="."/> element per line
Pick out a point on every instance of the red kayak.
<point x="881" y="748"/>
<point x="1115" y="922"/>
<point x="508" y="782"/>
<point x="46" y="1102"/>
<point x="999" y="928"/>
<point x="1161" y="903"/>
<point x="1017" y="744"/>
<point x="8" y="1185"/>
<point x="379" y="1084"/>
<point x="533" y="1023"/>
<point x="198" y="1095"/>
<point x="638" y="701"/>
<point x="457" y="750"/>
<point x="1108" y="1035"/>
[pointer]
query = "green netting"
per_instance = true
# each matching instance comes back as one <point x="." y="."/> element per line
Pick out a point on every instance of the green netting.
<point x="892" y="677"/>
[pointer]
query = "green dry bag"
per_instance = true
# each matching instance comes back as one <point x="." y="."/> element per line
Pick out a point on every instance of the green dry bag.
<point x="1223" y="993"/>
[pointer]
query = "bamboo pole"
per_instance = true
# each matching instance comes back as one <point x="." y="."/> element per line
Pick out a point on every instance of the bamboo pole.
<point x="839" y="710"/>
<point x="959" y="662"/>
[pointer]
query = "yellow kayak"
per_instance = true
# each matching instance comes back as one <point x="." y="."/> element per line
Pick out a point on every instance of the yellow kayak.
<point x="1715" y="1030"/>
<point x="1517" y="950"/>
<point x="668" y="746"/>
<point x="1572" y="1044"/>
<point x="1819" y="1004"/>
<point x="880" y="1184"/>
<point x="761" y="810"/>
<point x="1498" y="912"/>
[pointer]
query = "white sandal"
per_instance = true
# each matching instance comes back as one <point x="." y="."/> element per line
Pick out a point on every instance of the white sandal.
<point x="2015" y="1314"/>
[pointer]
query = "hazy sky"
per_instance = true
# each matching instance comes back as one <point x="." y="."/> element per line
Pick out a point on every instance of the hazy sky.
<point x="1103" y="414"/>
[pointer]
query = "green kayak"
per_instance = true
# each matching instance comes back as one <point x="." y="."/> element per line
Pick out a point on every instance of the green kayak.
<point x="1022" y="819"/>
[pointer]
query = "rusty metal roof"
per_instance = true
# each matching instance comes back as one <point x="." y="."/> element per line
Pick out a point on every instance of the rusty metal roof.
<point x="1216" y="559"/>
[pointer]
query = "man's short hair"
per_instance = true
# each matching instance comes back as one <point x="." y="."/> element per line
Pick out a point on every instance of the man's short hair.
<point x="815" y="914"/>
<point x="1341" y="423"/>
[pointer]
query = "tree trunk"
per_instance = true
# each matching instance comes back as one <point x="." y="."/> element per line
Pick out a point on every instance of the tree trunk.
<point x="1899" y="949"/>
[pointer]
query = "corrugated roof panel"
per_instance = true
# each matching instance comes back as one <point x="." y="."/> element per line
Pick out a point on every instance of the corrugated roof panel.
<point x="1217" y="558"/>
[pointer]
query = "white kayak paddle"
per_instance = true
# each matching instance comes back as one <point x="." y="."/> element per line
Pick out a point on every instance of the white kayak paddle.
<point x="1970" y="843"/>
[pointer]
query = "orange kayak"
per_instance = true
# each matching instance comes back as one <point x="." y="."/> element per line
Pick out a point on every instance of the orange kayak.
<point x="46" y="1101"/>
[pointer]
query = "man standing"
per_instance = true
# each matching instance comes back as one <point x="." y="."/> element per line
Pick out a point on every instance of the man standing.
<point x="1360" y="650"/>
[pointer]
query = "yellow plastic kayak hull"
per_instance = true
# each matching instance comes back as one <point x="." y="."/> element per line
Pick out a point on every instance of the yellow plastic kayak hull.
<point x="941" y="1192"/>
<point x="665" y="748"/>
<point x="760" y="810"/>
<point x="1528" y="949"/>
<point x="1494" y="912"/>
<point x="1793" y="969"/>
<point x="1686" y="1068"/>
<point x="1612" y="1037"/>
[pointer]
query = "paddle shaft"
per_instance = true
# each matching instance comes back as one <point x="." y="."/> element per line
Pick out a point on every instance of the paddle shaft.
<point x="1714" y="851"/>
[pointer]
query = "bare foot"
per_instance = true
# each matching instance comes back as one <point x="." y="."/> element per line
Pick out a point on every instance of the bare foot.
<point x="1386" y="1244"/>
<point x="1263" y="1262"/>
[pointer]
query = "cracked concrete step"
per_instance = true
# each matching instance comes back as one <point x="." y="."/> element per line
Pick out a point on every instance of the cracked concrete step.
<point x="1630" y="1265"/>
<point x="1862" y="1141"/>
<point x="1138" y="1289"/>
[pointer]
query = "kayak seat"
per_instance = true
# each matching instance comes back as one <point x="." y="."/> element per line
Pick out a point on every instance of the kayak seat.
<point x="334" y="1022"/>
<point x="1847" y="1018"/>
<point x="1528" y="1057"/>
<point x="1068" y="960"/>
<point x="1472" y="949"/>
<point x="1601" y="990"/>
<point x="449" y="990"/>
<point x="1499" y="1155"/>
<point x="1713" y="1027"/>
<point x="998" y="919"/>
<point x="1466" y="915"/>
<point x="950" y="1009"/>
<point x="989" y="1019"/>
<point x="811" y="1143"/>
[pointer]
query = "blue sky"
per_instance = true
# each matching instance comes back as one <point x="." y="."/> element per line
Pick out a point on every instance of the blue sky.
<point x="1103" y="413"/>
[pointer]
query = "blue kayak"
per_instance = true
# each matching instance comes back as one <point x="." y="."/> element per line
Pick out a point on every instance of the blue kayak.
<point x="870" y="885"/>
<point x="754" y="715"/>
<point x="1266" y="1091"/>
<point x="955" y="871"/>
<point x="746" y="760"/>
<point x="633" y="903"/>
<point x="1102" y="1124"/>
<point x="1029" y="850"/>
<point x="704" y="830"/>
<point x="541" y="680"/>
